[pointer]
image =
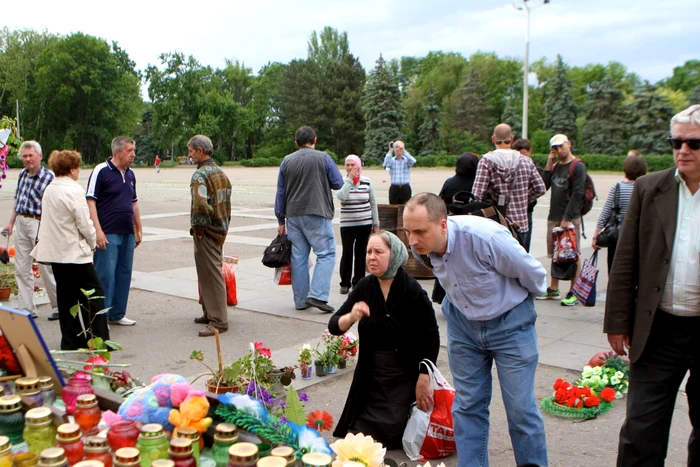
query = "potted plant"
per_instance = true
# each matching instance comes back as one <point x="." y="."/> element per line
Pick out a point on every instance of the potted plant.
<point x="305" y="361"/>
<point x="279" y="378"/>
<point x="8" y="286"/>
<point x="224" y="379"/>
<point x="321" y="362"/>
<point x="348" y="348"/>
<point x="333" y="357"/>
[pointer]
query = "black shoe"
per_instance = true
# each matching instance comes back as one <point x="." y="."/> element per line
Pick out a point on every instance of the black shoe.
<point x="202" y="320"/>
<point x="54" y="316"/>
<point x="344" y="290"/>
<point x="323" y="306"/>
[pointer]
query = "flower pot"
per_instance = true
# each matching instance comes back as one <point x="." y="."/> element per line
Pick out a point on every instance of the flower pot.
<point x="5" y="293"/>
<point x="220" y="389"/>
<point x="276" y="386"/>
<point x="306" y="372"/>
<point x="320" y="369"/>
<point x="343" y="364"/>
<point x="331" y="369"/>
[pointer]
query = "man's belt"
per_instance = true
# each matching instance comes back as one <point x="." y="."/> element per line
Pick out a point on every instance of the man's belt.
<point x="31" y="216"/>
<point x="396" y="184"/>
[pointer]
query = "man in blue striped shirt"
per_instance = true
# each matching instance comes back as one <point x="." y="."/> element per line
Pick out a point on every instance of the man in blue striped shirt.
<point x="399" y="162"/>
<point x="31" y="183"/>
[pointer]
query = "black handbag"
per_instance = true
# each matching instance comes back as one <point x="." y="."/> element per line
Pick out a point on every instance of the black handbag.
<point x="278" y="253"/>
<point x="611" y="231"/>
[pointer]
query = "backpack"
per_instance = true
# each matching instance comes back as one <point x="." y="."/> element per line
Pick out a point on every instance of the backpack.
<point x="589" y="193"/>
<point x="465" y="203"/>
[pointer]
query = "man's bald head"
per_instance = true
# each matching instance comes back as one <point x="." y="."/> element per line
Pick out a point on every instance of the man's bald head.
<point x="502" y="136"/>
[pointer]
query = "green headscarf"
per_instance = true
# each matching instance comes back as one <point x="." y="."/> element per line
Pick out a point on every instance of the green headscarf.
<point x="397" y="257"/>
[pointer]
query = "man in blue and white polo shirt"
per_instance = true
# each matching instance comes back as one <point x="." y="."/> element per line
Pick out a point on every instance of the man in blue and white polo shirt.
<point x="114" y="209"/>
<point x="399" y="162"/>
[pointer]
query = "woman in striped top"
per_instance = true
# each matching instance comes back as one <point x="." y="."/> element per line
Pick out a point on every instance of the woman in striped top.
<point x="358" y="218"/>
<point x="634" y="167"/>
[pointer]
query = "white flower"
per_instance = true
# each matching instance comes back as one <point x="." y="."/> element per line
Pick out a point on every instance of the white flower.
<point x="587" y="371"/>
<point x="427" y="464"/>
<point x="598" y="371"/>
<point x="618" y="395"/>
<point x="619" y="374"/>
<point x="615" y="380"/>
<point x="306" y="347"/>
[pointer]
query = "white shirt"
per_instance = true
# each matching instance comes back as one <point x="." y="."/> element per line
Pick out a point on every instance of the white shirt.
<point x="681" y="295"/>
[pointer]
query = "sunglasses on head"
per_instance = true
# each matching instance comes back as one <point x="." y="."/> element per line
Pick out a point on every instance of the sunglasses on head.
<point x="677" y="143"/>
<point x="503" y="141"/>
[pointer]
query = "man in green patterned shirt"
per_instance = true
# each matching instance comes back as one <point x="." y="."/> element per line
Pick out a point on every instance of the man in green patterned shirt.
<point x="209" y="219"/>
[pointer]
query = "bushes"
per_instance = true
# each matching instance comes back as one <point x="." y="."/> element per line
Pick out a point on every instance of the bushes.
<point x="262" y="162"/>
<point x="168" y="164"/>
<point x="436" y="161"/>
<point x="602" y="162"/>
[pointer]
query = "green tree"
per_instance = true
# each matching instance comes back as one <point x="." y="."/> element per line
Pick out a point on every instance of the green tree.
<point x="604" y="129"/>
<point x="381" y="104"/>
<point x="648" y="116"/>
<point x="560" y="110"/>
<point x="694" y="97"/>
<point x="469" y="107"/>
<point x="85" y="93"/>
<point x="512" y="114"/>
<point x="429" y="132"/>
<point x="685" y="77"/>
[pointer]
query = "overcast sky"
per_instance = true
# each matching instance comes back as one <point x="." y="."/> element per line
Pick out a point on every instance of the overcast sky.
<point x="649" y="36"/>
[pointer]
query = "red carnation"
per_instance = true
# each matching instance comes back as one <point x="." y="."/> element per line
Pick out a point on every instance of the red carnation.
<point x="571" y="402"/>
<point x="579" y="404"/>
<point x="258" y="345"/>
<point x="592" y="401"/>
<point x="608" y="394"/>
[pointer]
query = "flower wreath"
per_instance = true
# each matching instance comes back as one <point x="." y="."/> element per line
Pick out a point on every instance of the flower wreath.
<point x="573" y="401"/>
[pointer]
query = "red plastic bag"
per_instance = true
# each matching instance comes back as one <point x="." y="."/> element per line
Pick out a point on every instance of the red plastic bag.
<point x="565" y="247"/>
<point x="283" y="275"/>
<point x="430" y="435"/>
<point x="228" y="270"/>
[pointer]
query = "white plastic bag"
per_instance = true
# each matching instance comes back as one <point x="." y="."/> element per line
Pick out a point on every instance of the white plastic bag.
<point x="430" y="435"/>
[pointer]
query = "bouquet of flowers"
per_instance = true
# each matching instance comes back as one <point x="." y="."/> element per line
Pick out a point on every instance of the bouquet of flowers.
<point x="614" y="373"/>
<point x="349" y="345"/>
<point x="573" y="401"/>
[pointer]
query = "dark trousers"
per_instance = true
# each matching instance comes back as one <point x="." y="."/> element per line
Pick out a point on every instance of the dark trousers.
<point x="673" y="348"/>
<point x="208" y="262"/>
<point x="611" y="256"/>
<point x="354" y="240"/>
<point x="399" y="194"/>
<point x="527" y="236"/>
<point x="70" y="278"/>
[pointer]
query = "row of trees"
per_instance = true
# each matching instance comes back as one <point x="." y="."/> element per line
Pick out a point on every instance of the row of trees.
<point x="79" y="91"/>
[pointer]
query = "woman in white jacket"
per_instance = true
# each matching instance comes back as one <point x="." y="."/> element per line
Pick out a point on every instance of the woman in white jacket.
<point x="67" y="240"/>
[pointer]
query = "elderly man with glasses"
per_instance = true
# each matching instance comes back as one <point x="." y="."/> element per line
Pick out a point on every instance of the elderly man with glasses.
<point x="399" y="162"/>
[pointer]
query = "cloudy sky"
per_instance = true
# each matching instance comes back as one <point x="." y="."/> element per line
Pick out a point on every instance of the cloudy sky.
<point x="649" y="36"/>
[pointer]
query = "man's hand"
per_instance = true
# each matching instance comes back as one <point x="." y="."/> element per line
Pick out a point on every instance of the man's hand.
<point x="619" y="342"/>
<point x="138" y="237"/>
<point x="424" y="396"/>
<point x="7" y="230"/>
<point x="359" y="311"/>
<point x="282" y="229"/>
<point x="375" y="228"/>
<point x="550" y="159"/>
<point x="101" y="240"/>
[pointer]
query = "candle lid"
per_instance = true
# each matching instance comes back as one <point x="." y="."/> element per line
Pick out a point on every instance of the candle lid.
<point x="10" y="403"/>
<point x="272" y="461"/>
<point x="282" y="451"/>
<point x="52" y="455"/>
<point x="187" y="432"/>
<point x="181" y="446"/>
<point x="243" y="450"/>
<point x="86" y="401"/>
<point x="4" y="443"/>
<point x="316" y="458"/>
<point x="27" y="385"/>
<point x="26" y="459"/>
<point x="68" y="432"/>
<point x="89" y="463"/>
<point x="38" y="416"/>
<point x="127" y="455"/>
<point x="45" y="382"/>
<point x="226" y="431"/>
<point x="96" y="443"/>
<point x="162" y="463"/>
<point x="151" y="430"/>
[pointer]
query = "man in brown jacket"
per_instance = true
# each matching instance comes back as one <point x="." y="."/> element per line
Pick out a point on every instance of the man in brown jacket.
<point x="653" y="299"/>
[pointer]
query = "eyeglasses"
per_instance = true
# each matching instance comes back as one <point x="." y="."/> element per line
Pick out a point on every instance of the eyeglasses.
<point x="502" y="141"/>
<point x="677" y="143"/>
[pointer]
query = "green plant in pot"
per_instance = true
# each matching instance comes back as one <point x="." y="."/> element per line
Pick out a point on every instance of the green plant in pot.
<point x="320" y="362"/>
<point x="224" y="378"/>
<point x="8" y="285"/>
<point x="333" y="355"/>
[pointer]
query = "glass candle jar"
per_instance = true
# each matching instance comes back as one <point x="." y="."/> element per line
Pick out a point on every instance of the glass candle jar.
<point x="243" y="455"/>
<point x="123" y="434"/>
<point x="286" y="453"/>
<point x="127" y="457"/>
<point x="87" y="414"/>
<point x="11" y="418"/>
<point x="69" y="438"/>
<point x="163" y="463"/>
<point x="226" y="435"/>
<point x="48" y="393"/>
<point x="75" y="387"/>
<point x="180" y="452"/>
<point x="89" y="463"/>
<point x="5" y="452"/>
<point x="26" y="459"/>
<point x="39" y="431"/>
<point x="272" y="461"/>
<point x="97" y="448"/>
<point x="29" y="387"/>
<point x="190" y="433"/>
<point x="152" y="444"/>
<point x="2" y="390"/>
<point x="316" y="459"/>
<point x="52" y="457"/>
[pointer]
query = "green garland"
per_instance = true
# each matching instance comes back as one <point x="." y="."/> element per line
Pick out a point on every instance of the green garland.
<point x="275" y="431"/>
<point x="549" y="405"/>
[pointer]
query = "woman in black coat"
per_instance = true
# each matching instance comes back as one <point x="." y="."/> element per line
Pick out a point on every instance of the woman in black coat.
<point x="397" y="329"/>
<point x="463" y="180"/>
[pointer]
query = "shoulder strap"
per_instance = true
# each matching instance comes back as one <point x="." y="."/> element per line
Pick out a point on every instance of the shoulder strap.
<point x="572" y="167"/>
<point x="617" y="198"/>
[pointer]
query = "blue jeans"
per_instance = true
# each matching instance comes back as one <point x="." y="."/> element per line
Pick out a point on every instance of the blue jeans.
<point x="113" y="267"/>
<point x="472" y="346"/>
<point x="307" y="232"/>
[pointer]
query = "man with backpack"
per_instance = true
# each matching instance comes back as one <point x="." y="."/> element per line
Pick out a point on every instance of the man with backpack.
<point x="509" y="180"/>
<point x="566" y="176"/>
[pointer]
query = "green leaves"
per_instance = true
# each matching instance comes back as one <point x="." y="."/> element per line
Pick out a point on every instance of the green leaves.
<point x="295" y="410"/>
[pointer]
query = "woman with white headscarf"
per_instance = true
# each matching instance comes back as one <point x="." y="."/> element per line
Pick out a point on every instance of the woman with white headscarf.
<point x="397" y="330"/>
<point x="358" y="218"/>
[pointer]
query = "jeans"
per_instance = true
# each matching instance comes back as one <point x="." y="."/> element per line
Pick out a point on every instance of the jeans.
<point x="113" y="266"/>
<point x="306" y="233"/>
<point x="510" y="340"/>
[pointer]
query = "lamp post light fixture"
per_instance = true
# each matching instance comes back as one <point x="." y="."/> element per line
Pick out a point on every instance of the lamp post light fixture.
<point x="526" y="88"/>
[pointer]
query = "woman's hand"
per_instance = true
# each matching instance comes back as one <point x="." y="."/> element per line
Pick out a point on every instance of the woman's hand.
<point x="424" y="396"/>
<point x="353" y="173"/>
<point x="594" y="242"/>
<point x="359" y="311"/>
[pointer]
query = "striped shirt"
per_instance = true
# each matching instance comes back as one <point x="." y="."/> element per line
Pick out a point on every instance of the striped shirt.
<point x="358" y="205"/>
<point x="400" y="169"/>
<point x="624" y="200"/>
<point x="30" y="189"/>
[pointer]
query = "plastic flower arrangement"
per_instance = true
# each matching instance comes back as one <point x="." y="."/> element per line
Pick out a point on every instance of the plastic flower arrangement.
<point x="320" y="420"/>
<point x="358" y="448"/>
<point x="613" y="373"/>
<point x="349" y="345"/>
<point x="306" y="355"/>
<point x="257" y="363"/>
<point x="570" y="400"/>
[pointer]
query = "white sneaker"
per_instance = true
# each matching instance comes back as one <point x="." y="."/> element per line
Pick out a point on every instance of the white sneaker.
<point x="124" y="322"/>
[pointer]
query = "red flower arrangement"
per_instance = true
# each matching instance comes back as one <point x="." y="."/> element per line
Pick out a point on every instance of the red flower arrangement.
<point x="607" y="394"/>
<point x="574" y="401"/>
<point x="348" y="345"/>
<point x="320" y="420"/>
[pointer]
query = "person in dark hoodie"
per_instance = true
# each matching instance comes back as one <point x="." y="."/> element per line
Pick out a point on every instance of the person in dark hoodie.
<point x="463" y="180"/>
<point x="509" y="179"/>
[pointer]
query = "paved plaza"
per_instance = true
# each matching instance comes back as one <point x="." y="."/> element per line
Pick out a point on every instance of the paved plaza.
<point x="164" y="294"/>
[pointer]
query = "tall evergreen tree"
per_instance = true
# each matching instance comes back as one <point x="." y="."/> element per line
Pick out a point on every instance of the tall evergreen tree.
<point x="381" y="104"/>
<point x="470" y="108"/>
<point x="512" y="114"/>
<point x="604" y="130"/>
<point x="560" y="110"/>
<point x="429" y="132"/>
<point x="648" y="116"/>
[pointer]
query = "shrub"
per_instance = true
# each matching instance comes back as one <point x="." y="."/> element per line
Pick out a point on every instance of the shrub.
<point x="262" y="162"/>
<point x="603" y="162"/>
<point x="168" y="164"/>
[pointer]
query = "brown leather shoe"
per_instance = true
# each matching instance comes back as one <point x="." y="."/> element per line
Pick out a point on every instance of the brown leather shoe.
<point x="209" y="331"/>
<point x="202" y="320"/>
